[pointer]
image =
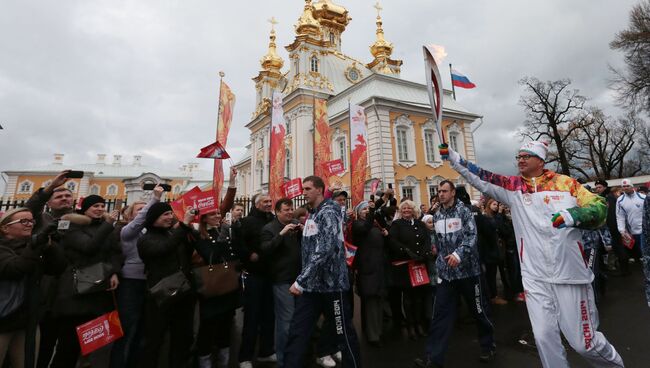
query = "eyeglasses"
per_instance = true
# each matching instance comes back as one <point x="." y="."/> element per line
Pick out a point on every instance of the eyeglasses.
<point x="523" y="157"/>
<point x="24" y="222"/>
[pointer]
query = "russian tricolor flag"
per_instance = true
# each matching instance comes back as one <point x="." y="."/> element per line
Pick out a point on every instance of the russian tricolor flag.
<point x="459" y="80"/>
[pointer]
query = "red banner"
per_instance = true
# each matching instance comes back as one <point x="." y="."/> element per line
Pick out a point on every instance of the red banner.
<point x="206" y="202"/>
<point x="350" y="253"/>
<point x="334" y="167"/>
<point x="322" y="140"/>
<point x="99" y="332"/>
<point x="418" y="274"/>
<point x="226" y="107"/>
<point x="277" y="153"/>
<point x="374" y="186"/>
<point x="186" y="200"/>
<point x="292" y="188"/>
<point x="214" y="150"/>
<point x="358" y="153"/>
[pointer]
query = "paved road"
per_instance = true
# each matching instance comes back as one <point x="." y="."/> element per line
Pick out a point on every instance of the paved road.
<point x="624" y="319"/>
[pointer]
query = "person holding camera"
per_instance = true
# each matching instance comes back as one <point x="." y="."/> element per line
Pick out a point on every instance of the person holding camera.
<point x="281" y="244"/>
<point x="23" y="259"/>
<point x="165" y="252"/>
<point x="89" y="253"/>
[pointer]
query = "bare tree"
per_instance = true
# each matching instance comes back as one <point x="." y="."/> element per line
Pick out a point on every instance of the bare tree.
<point x="553" y="112"/>
<point x="633" y="84"/>
<point x="604" y="147"/>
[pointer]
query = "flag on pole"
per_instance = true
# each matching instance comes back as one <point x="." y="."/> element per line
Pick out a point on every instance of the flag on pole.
<point x="358" y="152"/>
<point x="322" y="140"/>
<point x="460" y="80"/>
<point x="434" y="88"/>
<point x="226" y="107"/>
<point x="215" y="150"/>
<point x="277" y="154"/>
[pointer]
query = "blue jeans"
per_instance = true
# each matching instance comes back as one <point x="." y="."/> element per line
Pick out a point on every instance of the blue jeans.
<point x="645" y="260"/>
<point x="284" y="303"/>
<point x="130" y="304"/>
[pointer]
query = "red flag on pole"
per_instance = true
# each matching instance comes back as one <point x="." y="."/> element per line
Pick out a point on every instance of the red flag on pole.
<point x="226" y="107"/>
<point x="215" y="150"/>
<point x="276" y="149"/>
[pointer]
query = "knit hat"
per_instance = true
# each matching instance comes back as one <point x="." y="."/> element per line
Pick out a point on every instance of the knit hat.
<point x="89" y="202"/>
<point x="155" y="211"/>
<point x="7" y="215"/>
<point x="360" y="206"/>
<point x="426" y="217"/>
<point x="535" y="148"/>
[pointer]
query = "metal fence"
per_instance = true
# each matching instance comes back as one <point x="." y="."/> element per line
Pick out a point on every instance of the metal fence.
<point x="111" y="204"/>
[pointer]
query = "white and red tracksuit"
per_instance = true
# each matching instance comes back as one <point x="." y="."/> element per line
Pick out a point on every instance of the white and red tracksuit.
<point x="555" y="276"/>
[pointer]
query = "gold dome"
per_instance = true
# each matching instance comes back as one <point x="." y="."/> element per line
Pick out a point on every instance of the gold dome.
<point x="272" y="61"/>
<point x="381" y="48"/>
<point x="331" y="15"/>
<point x="307" y="25"/>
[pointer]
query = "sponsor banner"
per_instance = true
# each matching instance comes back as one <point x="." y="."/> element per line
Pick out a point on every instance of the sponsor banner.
<point x="224" y="119"/>
<point x="358" y="152"/>
<point x="276" y="148"/>
<point x="334" y="167"/>
<point x="418" y="274"/>
<point x="99" y="332"/>
<point x="186" y="200"/>
<point x="206" y="202"/>
<point x="322" y="140"/>
<point x="292" y="188"/>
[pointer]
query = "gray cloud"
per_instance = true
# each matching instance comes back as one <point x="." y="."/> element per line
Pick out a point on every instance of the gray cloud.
<point x="124" y="77"/>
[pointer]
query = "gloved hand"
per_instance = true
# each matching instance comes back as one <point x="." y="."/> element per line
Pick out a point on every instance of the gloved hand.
<point x="562" y="219"/>
<point x="444" y="151"/>
<point x="43" y="237"/>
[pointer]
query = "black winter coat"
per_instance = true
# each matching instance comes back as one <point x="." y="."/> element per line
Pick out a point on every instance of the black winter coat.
<point x="281" y="252"/>
<point x="85" y="243"/>
<point x="164" y="252"/>
<point x="251" y="230"/>
<point x="409" y="240"/>
<point x="370" y="259"/>
<point x="488" y="239"/>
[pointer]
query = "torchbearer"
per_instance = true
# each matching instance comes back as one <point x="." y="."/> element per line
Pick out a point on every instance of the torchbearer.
<point x="548" y="211"/>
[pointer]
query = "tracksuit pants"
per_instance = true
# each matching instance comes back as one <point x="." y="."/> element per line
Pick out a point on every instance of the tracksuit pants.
<point x="445" y="310"/>
<point x="570" y="309"/>
<point x="335" y="306"/>
<point x="645" y="263"/>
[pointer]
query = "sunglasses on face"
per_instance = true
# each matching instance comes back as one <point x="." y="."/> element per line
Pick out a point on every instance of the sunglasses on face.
<point x="523" y="157"/>
<point x="24" y="222"/>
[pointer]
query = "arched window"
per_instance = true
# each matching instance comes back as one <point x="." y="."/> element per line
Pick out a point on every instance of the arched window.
<point x="314" y="64"/>
<point x="402" y="145"/>
<point x="456" y="140"/>
<point x="342" y="151"/>
<point x="94" y="189"/>
<point x="72" y="186"/>
<point x="287" y="164"/>
<point x="111" y="190"/>
<point x="259" y="170"/>
<point x="296" y="65"/>
<point x="453" y="141"/>
<point x="332" y="38"/>
<point x="404" y="141"/>
<point x="25" y="187"/>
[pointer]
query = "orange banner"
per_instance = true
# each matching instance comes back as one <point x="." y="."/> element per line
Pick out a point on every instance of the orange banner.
<point x="226" y="108"/>
<point x="322" y="140"/>
<point x="358" y="153"/>
<point x="276" y="149"/>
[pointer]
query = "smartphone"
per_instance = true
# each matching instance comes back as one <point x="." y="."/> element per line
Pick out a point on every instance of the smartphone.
<point x="74" y="174"/>
<point x="390" y="185"/>
<point x="150" y="186"/>
<point x="228" y="218"/>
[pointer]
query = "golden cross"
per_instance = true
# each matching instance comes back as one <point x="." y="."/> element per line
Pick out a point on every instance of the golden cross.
<point x="273" y="23"/>
<point x="378" y="7"/>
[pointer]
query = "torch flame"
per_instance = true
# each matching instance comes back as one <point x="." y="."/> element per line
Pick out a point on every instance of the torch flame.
<point x="438" y="52"/>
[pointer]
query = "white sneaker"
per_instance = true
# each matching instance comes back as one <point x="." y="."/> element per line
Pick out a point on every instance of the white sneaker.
<point x="223" y="356"/>
<point x="247" y="364"/>
<point x="268" y="359"/>
<point x="205" y="361"/>
<point x="338" y="357"/>
<point x="326" y="361"/>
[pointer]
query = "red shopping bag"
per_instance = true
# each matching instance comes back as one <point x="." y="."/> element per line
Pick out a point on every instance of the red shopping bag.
<point x="99" y="332"/>
<point x="418" y="273"/>
<point x="629" y="244"/>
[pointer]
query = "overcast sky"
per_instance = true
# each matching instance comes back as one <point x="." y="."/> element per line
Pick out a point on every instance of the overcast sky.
<point x="141" y="77"/>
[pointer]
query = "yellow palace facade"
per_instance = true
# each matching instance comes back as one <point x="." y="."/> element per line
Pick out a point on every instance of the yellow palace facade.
<point x="402" y="137"/>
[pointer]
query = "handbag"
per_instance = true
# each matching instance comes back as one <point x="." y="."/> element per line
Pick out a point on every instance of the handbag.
<point x="214" y="280"/>
<point x="12" y="293"/>
<point x="90" y="279"/>
<point x="170" y="288"/>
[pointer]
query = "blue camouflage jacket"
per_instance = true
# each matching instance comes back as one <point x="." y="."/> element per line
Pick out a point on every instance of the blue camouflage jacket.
<point x="456" y="233"/>
<point x="646" y="249"/>
<point x="594" y="238"/>
<point x="323" y="255"/>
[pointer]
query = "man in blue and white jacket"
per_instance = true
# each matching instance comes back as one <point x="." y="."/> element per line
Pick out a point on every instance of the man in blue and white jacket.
<point x="459" y="273"/>
<point x="321" y="287"/>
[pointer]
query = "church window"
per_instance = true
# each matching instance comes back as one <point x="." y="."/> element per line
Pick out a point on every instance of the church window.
<point x="314" y="64"/>
<point x="342" y="151"/>
<point x="402" y="149"/>
<point x="111" y="190"/>
<point x="259" y="170"/>
<point x="287" y="164"/>
<point x="94" y="189"/>
<point x="453" y="141"/>
<point x="72" y="186"/>
<point x="429" y="145"/>
<point x="407" y="193"/>
<point x="296" y="65"/>
<point x="433" y="191"/>
<point x="25" y="187"/>
<point x="332" y="39"/>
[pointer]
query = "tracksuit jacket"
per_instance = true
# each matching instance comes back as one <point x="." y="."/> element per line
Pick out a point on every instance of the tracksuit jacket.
<point x="546" y="253"/>
<point x="646" y="249"/>
<point x="629" y="213"/>
<point x="323" y="255"/>
<point x="456" y="234"/>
